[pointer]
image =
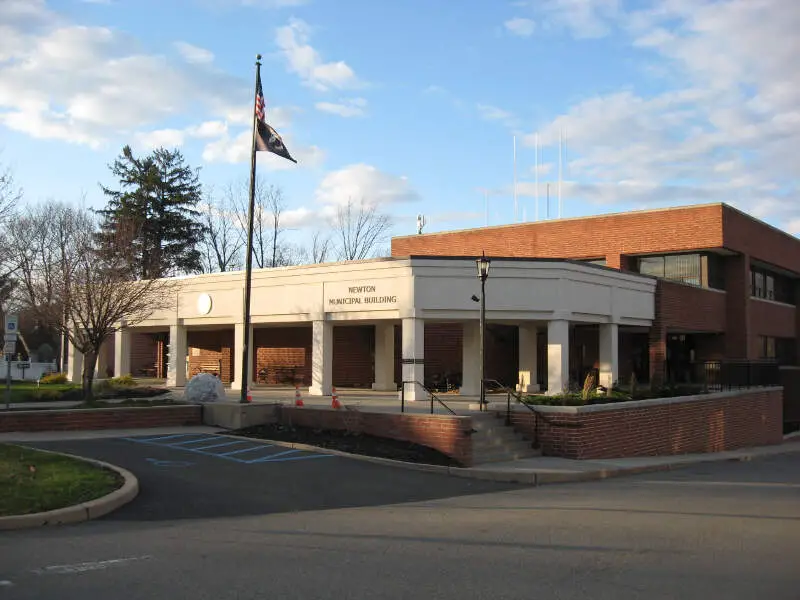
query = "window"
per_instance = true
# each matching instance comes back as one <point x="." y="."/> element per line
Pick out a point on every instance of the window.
<point x="766" y="348"/>
<point x="782" y="350"/>
<point x="652" y="265"/>
<point x="771" y="286"/>
<point x="702" y="270"/>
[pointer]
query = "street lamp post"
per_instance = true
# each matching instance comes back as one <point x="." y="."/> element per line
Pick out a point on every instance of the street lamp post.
<point x="483" y="264"/>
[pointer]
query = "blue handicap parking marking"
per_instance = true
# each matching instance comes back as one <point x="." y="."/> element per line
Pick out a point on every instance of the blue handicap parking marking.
<point x="242" y="451"/>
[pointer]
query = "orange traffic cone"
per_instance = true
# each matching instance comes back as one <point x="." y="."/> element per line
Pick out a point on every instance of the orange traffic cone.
<point x="298" y="401"/>
<point x="249" y="395"/>
<point x="335" y="400"/>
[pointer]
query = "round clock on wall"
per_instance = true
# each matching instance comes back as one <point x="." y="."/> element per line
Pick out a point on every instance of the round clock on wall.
<point x="204" y="304"/>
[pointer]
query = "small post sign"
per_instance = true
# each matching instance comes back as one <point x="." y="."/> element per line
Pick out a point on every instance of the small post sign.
<point x="11" y="331"/>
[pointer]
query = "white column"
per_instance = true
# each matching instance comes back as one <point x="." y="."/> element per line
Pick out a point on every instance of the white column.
<point x="526" y="380"/>
<point x="122" y="352"/>
<point x="414" y="358"/>
<point x="176" y="369"/>
<point x="557" y="356"/>
<point x="471" y="359"/>
<point x="74" y="365"/>
<point x="609" y="354"/>
<point x="238" y="343"/>
<point x="321" y="358"/>
<point x="384" y="357"/>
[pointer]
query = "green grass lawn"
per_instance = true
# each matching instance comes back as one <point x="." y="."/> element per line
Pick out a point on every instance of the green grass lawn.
<point x="28" y="391"/>
<point x="33" y="481"/>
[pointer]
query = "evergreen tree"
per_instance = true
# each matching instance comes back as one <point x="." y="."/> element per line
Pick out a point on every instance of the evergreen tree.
<point x="151" y="223"/>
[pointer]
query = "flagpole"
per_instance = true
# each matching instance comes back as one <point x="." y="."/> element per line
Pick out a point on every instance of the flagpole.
<point x="248" y="271"/>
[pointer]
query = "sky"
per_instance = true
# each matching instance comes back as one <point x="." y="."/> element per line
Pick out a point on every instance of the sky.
<point x="416" y="105"/>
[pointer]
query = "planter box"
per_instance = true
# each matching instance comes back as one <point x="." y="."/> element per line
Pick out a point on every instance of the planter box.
<point x="658" y="427"/>
<point x="100" y="418"/>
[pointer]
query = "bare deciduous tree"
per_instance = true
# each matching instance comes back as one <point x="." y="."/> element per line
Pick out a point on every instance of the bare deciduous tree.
<point x="10" y="194"/>
<point x="359" y="230"/>
<point x="222" y="243"/>
<point x="318" y="251"/>
<point x="69" y="286"/>
<point x="268" y="247"/>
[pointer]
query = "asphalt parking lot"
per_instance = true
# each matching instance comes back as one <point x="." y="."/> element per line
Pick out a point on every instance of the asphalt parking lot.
<point x="193" y="476"/>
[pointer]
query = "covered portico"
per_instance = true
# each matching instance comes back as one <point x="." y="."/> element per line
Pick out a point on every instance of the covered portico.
<point x="374" y="313"/>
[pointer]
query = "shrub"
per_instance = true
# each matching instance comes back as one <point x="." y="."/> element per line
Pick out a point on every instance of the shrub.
<point x="53" y="378"/>
<point x="122" y="381"/>
<point x="588" y="387"/>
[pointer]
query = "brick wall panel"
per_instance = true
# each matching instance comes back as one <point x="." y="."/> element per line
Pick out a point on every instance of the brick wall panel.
<point x="105" y="418"/>
<point x="749" y="418"/>
<point x="354" y="356"/>
<point x="215" y="345"/>
<point x="608" y="236"/>
<point x="278" y="348"/>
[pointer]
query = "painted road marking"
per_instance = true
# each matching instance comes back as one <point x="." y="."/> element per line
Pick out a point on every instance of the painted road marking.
<point x="88" y="566"/>
<point x="6" y="583"/>
<point x="187" y="442"/>
<point x="272" y="456"/>
<point x="224" y="442"/>
<point x="169" y="463"/>
<point x="242" y="451"/>
<point x="161" y="438"/>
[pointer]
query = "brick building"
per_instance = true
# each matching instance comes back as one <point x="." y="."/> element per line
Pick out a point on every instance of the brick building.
<point x="728" y="284"/>
<point x="378" y="323"/>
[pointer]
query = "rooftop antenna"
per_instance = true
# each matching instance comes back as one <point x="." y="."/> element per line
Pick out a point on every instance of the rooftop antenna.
<point x="566" y="158"/>
<point x="516" y="207"/>
<point x="485" y="206"/>
<point x="536" y="174"/>
<point x="548" y="200"/>
<point x="421" y="222"/>
<point x="560" y="143"/>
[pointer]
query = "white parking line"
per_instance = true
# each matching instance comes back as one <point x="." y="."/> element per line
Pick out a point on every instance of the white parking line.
<point x="88" y="566"/>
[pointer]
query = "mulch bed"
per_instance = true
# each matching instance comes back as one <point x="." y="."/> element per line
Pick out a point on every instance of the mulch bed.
<point x="354" y="443"/>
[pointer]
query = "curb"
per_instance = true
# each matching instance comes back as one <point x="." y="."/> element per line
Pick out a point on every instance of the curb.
<point x="84" y="511"/>
<point x="530" y="478"/>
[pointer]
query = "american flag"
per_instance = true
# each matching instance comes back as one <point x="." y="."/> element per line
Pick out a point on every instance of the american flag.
<point x="259" y="101"/>
<point x="267" y="139"/>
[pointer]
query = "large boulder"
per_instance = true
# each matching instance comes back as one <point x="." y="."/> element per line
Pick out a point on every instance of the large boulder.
<point x="204" y="387"/>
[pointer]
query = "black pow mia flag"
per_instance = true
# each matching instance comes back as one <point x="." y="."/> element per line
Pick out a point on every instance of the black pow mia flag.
<point x="267" y="139"/>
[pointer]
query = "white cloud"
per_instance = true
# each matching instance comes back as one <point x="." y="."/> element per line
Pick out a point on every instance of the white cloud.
<point x="364" y="182"/>
<point x="521" y="26"/>
<point x="584" y="18"/>
<point x="194" y="54"/>
<point x="306" y="62"/>
<point x="237" y="148"/>
<point x="209" y="129"/>
<point x="493" y="113"/>
<point x="88" y="85"/>
<point x="167" y="138"/>
<point x="725" y="128"/>
<point x="344" y="108"/>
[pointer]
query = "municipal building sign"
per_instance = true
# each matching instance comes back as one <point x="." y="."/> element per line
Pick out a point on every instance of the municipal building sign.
<point x="359" y="296"/>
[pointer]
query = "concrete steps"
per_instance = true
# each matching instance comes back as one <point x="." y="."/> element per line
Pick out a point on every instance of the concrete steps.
<point x="494" y="441"/>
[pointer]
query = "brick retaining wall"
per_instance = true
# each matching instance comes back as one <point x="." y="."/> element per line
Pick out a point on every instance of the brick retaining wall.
<point x="100" y="418"/>
<point x="695" y="424"/>
<point x="447" y="434"/>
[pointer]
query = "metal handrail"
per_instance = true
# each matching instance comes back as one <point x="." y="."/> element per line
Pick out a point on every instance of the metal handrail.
<point x="518" y="396"/>
<point x="428" y="390"/>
